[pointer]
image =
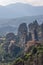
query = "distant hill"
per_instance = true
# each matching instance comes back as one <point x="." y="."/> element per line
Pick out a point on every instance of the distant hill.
<point x="11" y="25"/>
<point x="17" y="21"/>
<point x="20" y="10"/>
<point x="7" y="29"/>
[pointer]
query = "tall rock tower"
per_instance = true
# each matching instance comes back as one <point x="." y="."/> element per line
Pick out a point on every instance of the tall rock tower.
<point x="40" y="32"/>
<point x="22" y="34"/>
<point x="33" y="30"/>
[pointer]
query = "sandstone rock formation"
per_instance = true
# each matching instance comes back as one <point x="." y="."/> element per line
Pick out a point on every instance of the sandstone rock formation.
<point x="22" y="34"/>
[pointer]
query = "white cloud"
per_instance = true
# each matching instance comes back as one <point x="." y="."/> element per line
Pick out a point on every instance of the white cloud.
<point x="33" y="2"/>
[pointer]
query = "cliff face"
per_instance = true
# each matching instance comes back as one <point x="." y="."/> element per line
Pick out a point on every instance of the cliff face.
<point x="22" y="34"/>
<point x="36" y="31"/>
<point x="32" y="32"/>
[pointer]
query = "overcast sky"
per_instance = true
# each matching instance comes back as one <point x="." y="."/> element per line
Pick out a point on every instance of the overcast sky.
<point x="32" y="2"/>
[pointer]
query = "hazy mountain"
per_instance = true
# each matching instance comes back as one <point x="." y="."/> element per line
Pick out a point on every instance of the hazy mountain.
<point x="11" y="25"/>
<point x="7" y="29"/>
<point x="17" y="21"/>
<point x="19" y="10"/>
